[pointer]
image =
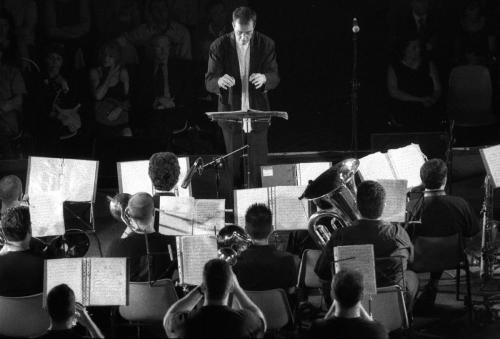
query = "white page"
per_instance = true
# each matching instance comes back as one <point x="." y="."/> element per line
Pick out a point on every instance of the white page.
<point x="243" y="199"/>
<point x="184" y="168"/>
<point x="108" y="281"/>
<point x="64" y="271"/>
<point x="290" y="212"/>
<point x="310" y="171"/>
<point x="209" y="215"/>
<point x="44" y="175"/>
<point x="406" y="162"/>
<point x="491" y="160"/>
<point x="176" y="215"/>
<point x="134" y="178"/>
<point x="360" y="258"/>
<point x="375" y="166"/>
<point x="79" y="179"/>
<point x="195" y="252"/>
<point x="47" y="214"/>
<point x="395" y="200"/>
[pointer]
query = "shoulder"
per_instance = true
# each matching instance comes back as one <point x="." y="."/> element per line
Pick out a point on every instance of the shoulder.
<point x="221" y="41"/>
<point x="264" y="39"/>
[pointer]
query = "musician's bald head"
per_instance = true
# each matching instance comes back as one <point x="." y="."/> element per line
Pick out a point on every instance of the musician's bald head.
<point x="141" y="208"/>
<point x="11" y="188"/>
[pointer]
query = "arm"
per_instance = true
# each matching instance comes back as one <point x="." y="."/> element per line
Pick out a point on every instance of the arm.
<point x="247" y="304"/>
<point x="215" y="69"/>
<point x="271" y="68"/>
<point x="14" y="103"/>
<point x="172" y="322"/>
<point x="124" y="77"/>
<point x="87" y="322"/>
<point x="395" y="92"/>
<point x="435" y="82"/>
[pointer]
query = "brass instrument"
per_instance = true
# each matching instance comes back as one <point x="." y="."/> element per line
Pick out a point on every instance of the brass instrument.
<point x="489" y="233"/>
<point x="334" y="194"/>
<point x="232" y="240"/>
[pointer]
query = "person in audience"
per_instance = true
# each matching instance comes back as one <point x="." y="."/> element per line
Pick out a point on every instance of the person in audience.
<point x="11" y="192"/>
<point x="20" y="268"/>
<point x="65" y="313"/>
<point x="151" y="254"/>
<point x="216" y="319"/>
<point x="391" y="244"/>
<point x="347" y="318"/>
<point x="109" y="85"/>
<point x="441" y="215"/>
<point x="262" y="267"/>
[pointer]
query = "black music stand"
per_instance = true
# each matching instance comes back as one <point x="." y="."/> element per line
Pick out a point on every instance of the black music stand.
<point x="246" y="119"/>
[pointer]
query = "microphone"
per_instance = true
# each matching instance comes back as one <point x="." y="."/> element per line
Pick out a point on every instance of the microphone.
<point x="355" y="26"/>
<point x="190" y="173"/>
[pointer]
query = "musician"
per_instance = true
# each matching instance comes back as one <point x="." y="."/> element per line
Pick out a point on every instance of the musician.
<point x="215" y="319"/>
<point x="391" y="243"/>
<point x="151" y="260"/>
<point x="11" y="191"/>
<point x="242" y="67"/>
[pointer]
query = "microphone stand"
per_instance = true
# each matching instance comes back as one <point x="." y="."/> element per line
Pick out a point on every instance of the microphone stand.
<point x="354" y="95"/>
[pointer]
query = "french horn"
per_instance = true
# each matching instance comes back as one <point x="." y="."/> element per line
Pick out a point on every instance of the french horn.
<point x="232" y="240"/>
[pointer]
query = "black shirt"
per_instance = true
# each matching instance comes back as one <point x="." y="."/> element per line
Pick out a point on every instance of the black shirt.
<point x="347" y="328"/>
<point x="21" y="274"/>
<point x="61" y="334"/>
<point x="134" y="248"/>
<point x="262" y="268"/>
<point x="222" y="322"/>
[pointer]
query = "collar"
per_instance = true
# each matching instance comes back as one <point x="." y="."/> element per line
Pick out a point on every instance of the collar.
<point x="434" y="193"/>
<point x="418" y="17"/>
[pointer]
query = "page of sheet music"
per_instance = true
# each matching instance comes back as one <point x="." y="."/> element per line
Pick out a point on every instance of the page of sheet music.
<point x="44" y="175"/>
<point x="209" y="215"/>
<point x="184" y="168"/>
<point x="310" y="170"/>
<point x="491" y="160"/>
<point x="108" y="281"/>
<point x="133" y="177"/>
<point x="244" y="198"/>
<point x="196" y="251"/>
<point x="406" y="162"/>
<point x="176" y="215"/>
<point x="376" y="166"/>
<point x="65" y="271"/>
<point x="291" y="213"/>
<point x="360" y="258"/>
<point x="79" y="179"/>
<point x="395" y="200"/>
<point x="47" y="214"/>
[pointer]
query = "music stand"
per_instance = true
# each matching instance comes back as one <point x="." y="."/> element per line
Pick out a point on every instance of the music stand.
<point x="246" y="119"/>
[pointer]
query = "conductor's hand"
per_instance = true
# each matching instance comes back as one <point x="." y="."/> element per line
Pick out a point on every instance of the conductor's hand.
<point x="226" y="81"/>
<point x="258" y="79"/>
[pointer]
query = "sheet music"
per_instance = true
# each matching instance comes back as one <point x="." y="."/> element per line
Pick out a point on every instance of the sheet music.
<point x="184" y="168"/>
<point x="310" y="170"/>
<point x="108" y="281"/>
<point x="360" y="258"/>
<point x="244" y="198"/>
<point x="395" y="200"/>
<point x="79" y="179"/>
<point x="64" y="271"/>
<point x="406" y="162"/>
<point x="376" y="166"/>
<point x="47" y="214"/>
<point x="195" y="252"/>
<point x="209" y="214"/>
<point x="176" y="215"/>
<point x="133" y="177"/>
<point x="44" y="175"/>
<point x="290" y="212"/>
<point x="491" y="160"/>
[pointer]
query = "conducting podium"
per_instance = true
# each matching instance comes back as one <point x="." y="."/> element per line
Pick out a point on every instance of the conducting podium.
<point x="247" y="119"/>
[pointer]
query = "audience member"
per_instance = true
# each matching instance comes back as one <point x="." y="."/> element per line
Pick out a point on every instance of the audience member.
<point x="346" y="318"/>
<point x="262" y="267"/>
<point x="110" y="87"/>
<point x="216" y="319"/>
<point x="391" y="244"/>
<point x="11" y="192"/>
<point x="20" y="268"/>
<point x="65" y="313"/>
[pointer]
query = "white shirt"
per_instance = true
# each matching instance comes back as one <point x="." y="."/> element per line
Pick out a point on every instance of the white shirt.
<point x="244" y="62"/>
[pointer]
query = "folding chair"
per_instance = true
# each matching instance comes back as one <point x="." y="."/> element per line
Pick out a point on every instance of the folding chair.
<point x="23" y="317"/>
<point x="388" y="307"/>
<point x="308" y="283"/>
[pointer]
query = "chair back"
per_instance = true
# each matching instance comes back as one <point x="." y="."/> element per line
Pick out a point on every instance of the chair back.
<point x="274" y="304"/>
<point x="149" y="303"/>
<point x="23" y="317"/>
<point x="388" y="307"/>
<point x="307" y="277"/>
<point x="435" y="254"/>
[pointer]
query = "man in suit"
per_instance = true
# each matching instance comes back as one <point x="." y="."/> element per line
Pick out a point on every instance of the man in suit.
<point x="242" y="67"/>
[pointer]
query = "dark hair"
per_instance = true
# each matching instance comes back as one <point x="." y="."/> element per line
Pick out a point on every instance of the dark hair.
<point x="433" y="173"/>
<point x="370" y="199"/>
<point x="401" y="45"/>
<point x="164" y="170"/>
<point x="217" y="276"/>
<point x="111" y="48"/>
<point x="16" y="223"/>
<point x="244" y="15"/>
<point x="11" y="188"/>
<point x="61" y="303"/>
<point x="258" y="221"/>
<point x="347" y="286"/>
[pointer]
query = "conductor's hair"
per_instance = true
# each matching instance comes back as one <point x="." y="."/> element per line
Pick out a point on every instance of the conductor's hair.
<point x="244" y="15"/>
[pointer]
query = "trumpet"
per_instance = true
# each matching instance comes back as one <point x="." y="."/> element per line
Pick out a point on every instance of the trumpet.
<point x="232" y="240"/>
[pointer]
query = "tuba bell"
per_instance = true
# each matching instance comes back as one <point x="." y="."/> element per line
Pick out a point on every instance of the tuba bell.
<point x="232" y="240"/>
<point x="334" y="195"/>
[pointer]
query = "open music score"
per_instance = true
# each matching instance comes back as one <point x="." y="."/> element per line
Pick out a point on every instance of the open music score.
<point x="360" y="258"/>
<point x="395" y="200"/>
<point x="292" y="174"/>
<point x="491" y="160"/>
<point x="192" y="254"/>
<point x="47" y="214"/>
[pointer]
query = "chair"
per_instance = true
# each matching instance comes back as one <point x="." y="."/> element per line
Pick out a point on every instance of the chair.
<point x="388" y="307"/>
<point x="23" y="317"/>
<point x="308" y="283"/>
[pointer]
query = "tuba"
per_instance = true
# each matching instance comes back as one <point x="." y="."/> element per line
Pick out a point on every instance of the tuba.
<point x="334" y="195"/>
<point x="232" y="240"/>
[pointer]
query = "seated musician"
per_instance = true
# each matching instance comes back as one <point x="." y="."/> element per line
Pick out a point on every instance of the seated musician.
<point x="21" y="270"/>
<point x="11" y="191"/>
<point x="441" y="215"/>
<point x="215" y="319"/>
<point x="262" y="267"/>
<point x="391" y="243"/>
<point x="139" y="217"/>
